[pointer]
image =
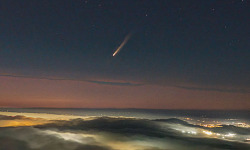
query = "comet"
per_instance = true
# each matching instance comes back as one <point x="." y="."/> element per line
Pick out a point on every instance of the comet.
<point x="122" y="44"/>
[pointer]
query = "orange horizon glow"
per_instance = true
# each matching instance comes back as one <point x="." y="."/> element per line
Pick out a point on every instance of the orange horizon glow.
<point x="24" y="92"/>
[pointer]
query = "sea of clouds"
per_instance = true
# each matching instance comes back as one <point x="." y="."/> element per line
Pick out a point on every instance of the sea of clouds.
<point x="115" y="133"/>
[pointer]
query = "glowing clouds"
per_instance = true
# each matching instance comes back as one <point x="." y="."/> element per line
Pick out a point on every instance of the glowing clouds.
<point x="122" y="44"/>
<point x="207" y="132"/>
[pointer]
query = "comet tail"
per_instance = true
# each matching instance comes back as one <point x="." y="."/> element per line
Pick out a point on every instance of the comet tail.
<point x="122" y="44"/>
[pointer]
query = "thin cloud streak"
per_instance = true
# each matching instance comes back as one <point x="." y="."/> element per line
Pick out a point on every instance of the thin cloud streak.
<point x="115" y="83"/>
<point x="129" y="84"/>
<point x="66" y="79"/>
<point x="213" y="89"/>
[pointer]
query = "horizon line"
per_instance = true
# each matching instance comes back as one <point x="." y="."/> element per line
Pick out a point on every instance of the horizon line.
<point x="118" y="108"/>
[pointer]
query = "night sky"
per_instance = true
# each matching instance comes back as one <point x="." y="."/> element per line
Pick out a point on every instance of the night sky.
<point x="180" y="54"/>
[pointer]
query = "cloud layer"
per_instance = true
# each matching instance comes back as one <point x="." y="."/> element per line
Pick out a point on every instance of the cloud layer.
<point x="105" y="133"/>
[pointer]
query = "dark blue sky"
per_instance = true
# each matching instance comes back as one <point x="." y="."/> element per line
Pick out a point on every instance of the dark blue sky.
<point x="191" y="44"/>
